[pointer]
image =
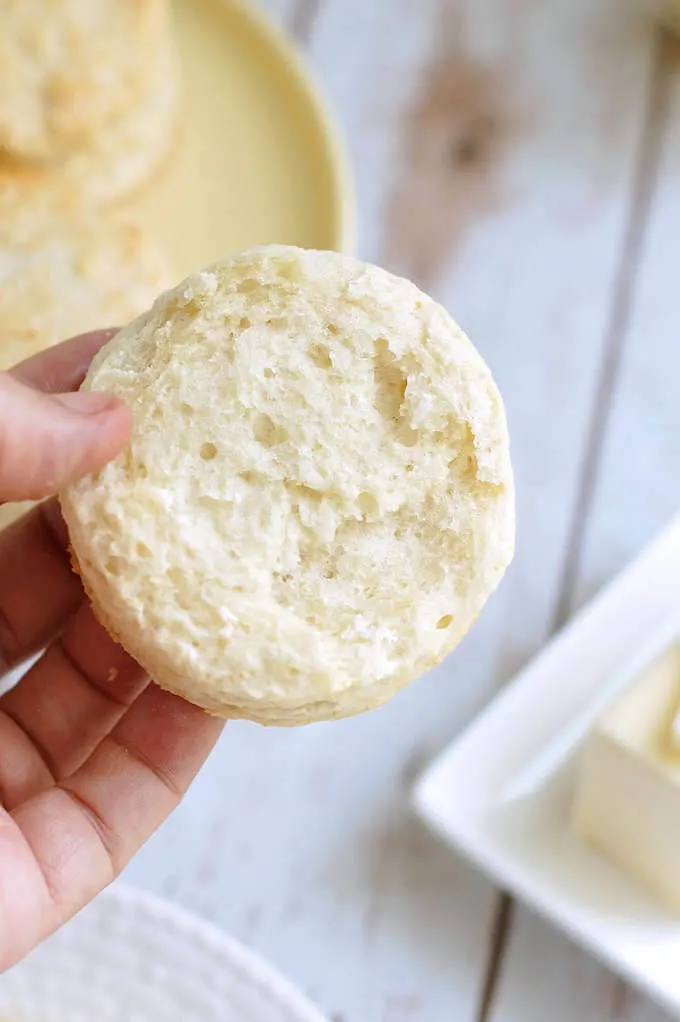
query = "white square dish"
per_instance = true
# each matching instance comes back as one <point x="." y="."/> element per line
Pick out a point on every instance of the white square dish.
<point x="502" y="793"/>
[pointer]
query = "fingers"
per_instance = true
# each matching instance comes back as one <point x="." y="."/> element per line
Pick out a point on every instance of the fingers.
<point x="52" y="721"/>
<point x="38" y="589"/>
<point x="25" y="904"/>
<point x="48" y="441"/>
<point x="62" y="367"/>
<point x="67" y="843"/>
<point x="45" y="441"/>
<point x="139" y="774"/>
<point x="124" y="758"/>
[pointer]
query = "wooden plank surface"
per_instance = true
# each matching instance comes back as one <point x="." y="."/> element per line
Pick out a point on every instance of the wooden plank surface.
<point x="636" y="489"/>
<point x="496" y="147"/>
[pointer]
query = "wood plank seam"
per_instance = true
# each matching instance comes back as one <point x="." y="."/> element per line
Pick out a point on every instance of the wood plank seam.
<point x="642" y="193"/>
<point x="499" y="932"/>
<point x="303" y="19"/>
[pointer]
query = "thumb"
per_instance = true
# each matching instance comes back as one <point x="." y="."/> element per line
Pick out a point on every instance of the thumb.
<point x="49" y="440"/>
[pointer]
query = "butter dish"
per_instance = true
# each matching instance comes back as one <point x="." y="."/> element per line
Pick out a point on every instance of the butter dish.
<point x="503" y="793"/>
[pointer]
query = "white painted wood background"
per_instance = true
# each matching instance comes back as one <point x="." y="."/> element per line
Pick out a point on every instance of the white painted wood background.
<point x="521" y="160"/>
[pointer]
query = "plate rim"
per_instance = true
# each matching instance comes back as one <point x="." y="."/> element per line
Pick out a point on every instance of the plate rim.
<point x="336" y="149"/>
<point x="266" y="976"/>
<point x="124" y="901"/>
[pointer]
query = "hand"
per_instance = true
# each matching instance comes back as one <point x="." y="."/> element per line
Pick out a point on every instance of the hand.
<point x="93" y="757"/>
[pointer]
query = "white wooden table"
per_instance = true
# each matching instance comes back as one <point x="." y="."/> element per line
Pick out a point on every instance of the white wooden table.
<point x="521" y="160"/>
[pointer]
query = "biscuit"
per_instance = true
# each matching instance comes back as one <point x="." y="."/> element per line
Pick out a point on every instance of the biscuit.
<point x="87" y="91"/>
<point x="317" y="499"/>
<point x="60" y="277"/>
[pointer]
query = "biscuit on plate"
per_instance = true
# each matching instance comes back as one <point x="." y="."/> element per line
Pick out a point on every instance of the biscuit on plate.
<point x="318" y="496"/>
<point x="60" y="277"/>
<point x="88" y="91"/>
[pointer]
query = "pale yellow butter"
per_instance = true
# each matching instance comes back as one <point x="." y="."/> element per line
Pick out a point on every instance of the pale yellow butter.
<point x="628" y="795"/>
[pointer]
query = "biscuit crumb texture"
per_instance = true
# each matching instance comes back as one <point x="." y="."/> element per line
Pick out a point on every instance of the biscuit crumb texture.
<point x="59" y="278"/>
<point x="88" y="92"/>
<point x="318" y="497"/>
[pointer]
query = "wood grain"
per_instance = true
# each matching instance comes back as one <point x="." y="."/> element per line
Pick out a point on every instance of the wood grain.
<point x="453" y="141"/>
<point x="634" y="472"/>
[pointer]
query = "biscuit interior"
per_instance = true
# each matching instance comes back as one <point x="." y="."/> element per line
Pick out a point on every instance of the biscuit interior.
<point x="318" y="498"/>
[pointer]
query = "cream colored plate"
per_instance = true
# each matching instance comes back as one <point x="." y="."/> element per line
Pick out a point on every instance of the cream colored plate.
<point x="256" y="158"/>
<point x="130" y="957"/>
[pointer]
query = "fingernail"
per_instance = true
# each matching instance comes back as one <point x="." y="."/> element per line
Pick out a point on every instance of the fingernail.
<point x="86" y="403"/>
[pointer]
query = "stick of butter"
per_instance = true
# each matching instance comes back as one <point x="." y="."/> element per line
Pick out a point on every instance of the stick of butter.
<point x="627" y="801"/>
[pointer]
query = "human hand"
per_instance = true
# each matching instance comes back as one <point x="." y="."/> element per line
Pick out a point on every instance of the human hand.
<point x="93" y="757"/>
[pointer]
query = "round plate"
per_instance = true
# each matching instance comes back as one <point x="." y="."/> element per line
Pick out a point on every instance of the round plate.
<point x="130" y="957"/>
<point x="256" y="158"/>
